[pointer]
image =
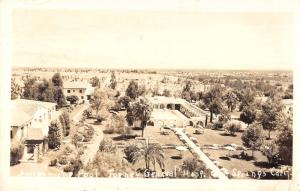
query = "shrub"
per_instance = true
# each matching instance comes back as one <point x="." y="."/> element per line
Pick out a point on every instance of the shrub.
<point x="16" y="152"/>
<point x="80" y="151"/>
<point x="53" y="162"/>
<point x="218" y="125"/>
<point x="62" y="160"/>
<point x="72" y="99"/>
<point x="193" y="168"/>
<point x="88" y="133"/>
<point x="232" y="127"/>
<point x="106" y="145"/>
<point x="68" y="168"/>
<point x="209" y="126"/>
<point x="65" y="122"/>
<point x="108" y="131"/>
<point x="131" y="153"/>
<point x="77" y="138"/>
<point x="104" y="163"/>
<point x="270" y="150"/>
<point x="54" y="135"/>
<point x="87" y="113"/>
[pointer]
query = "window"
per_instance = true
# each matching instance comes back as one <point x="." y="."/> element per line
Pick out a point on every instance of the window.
<point x="73" y="90"/>
<point x="80" y="91"/>
<point x="69" y="91"/>
<point x="81" y="97"/>
<point x="11" y="134"/>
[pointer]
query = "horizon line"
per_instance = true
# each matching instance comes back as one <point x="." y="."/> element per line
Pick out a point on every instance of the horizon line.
<point x="140" y="69"/>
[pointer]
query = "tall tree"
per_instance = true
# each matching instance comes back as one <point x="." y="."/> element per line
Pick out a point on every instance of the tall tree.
<point x="212" y="99"/>
<point x="247" y="98"/>
<point x="113" y="81"/>
<point x="57" y="80"/>
<point x="99" y="100"/>
<point x="271" y="114"/>
<point x="140" y="111"/>
<point x="65" y="122"/>
<point x="253" y="137"/>
<point x="248" y="115"/>
<point x="95" y="81"/>
<point x="46" y="91"/>
<point x="54" y="135"/>
<point x="132" y="90"/>
<point x="187" y="91"/>
<point x="59" y="96"/>
<point x="284" y="141"/>
<point x="29" y="88"/>
<point x="15" y="89"/>
<point x="231" y="100"/>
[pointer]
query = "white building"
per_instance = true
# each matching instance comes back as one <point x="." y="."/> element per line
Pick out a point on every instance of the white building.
<point x="82" y="90"/>
<point x="177" y="112"/>
<point x="30" y="122"/>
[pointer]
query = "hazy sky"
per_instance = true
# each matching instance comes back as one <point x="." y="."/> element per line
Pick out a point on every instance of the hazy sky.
<point x="148" y="39"/>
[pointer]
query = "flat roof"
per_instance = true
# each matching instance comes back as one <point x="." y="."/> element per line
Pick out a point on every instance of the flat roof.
<point x="74" y="85"/>
<point x="165" y="100"/>
<point x="165" y="114"/>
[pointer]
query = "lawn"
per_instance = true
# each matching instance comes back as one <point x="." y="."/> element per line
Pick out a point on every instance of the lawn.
<point x="237" y="167"/>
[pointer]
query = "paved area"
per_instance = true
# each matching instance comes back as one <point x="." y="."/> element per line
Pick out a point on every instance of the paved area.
<point x="209" y="164"/>
<point x="36" y="169"/>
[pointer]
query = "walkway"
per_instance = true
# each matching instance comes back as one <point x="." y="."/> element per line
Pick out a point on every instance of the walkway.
<point x="76" y="114"/>
<point x="216" y="172"/>
<point x="92" y="148"/>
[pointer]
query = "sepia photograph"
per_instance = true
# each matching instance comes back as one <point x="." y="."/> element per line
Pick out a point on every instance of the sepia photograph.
<point x="166" y="92"/>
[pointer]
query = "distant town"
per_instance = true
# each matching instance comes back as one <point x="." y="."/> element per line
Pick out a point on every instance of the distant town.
<point x="196" y="124"/>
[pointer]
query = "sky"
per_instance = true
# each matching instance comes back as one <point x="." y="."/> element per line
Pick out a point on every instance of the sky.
<point x="150" y="39"/>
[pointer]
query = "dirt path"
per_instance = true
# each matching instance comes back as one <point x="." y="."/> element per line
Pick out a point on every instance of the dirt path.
<point x="93" y="147"/>
<point x="76" y="114"/>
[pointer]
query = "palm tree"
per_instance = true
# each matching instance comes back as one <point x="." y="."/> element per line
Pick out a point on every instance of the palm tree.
<point x="212" y="99"/>
<point x="141" y="111"/>
<point x="152" y="153"/>
<point x="230" y="100"/>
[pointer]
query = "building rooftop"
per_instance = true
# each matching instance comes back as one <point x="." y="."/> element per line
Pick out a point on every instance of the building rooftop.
<point x="19" y="117"/>
<point x="24" y="102"/>
<point x="23" y="110"/>
<point x="165" y="100"/>
<point x="35" y="134"/>
<point x="75" y="85"/>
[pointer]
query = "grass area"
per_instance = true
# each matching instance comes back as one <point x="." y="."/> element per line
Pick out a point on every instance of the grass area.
<point x="239" y="168"/>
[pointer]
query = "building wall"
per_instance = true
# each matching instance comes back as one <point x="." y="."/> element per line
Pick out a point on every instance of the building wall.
<point x="18" y="133"/>
<point x="79" y="92"/>
<point x="41" y="119"/>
